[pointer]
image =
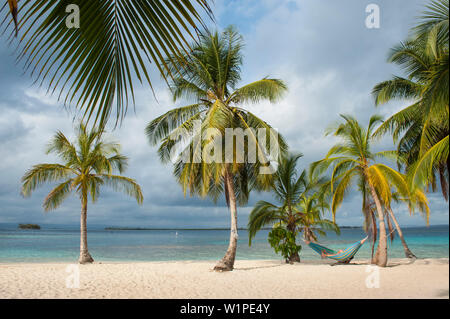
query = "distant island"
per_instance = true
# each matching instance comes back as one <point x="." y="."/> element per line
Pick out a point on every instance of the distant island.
<point x="29" y="226"/>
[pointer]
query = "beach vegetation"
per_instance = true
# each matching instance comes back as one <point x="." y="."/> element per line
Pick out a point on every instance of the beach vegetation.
<point x="283" y="241"/>
<point x="302" y="203"/>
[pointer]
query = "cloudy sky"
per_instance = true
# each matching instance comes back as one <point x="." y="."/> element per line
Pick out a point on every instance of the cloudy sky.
<point x="321" y="48"/>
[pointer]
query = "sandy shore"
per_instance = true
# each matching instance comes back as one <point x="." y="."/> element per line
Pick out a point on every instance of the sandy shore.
<point x="425" y="278"/>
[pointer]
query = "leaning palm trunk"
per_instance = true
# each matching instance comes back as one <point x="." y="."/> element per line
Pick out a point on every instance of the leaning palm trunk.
<point x="85" y="257"/>
<point x="381" y="254"/>
<point x="408" y="252"/>
<point x="374" y="236"/>
<point x="227" y="262"/>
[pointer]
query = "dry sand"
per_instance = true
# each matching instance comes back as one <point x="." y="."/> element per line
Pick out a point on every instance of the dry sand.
<point x="425" y="278"/>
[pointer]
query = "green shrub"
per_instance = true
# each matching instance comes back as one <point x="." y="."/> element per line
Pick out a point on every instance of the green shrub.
<point x="283" y="241"/>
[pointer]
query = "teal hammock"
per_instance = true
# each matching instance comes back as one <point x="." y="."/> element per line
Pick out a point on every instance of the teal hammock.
<point x="342" y="256"/>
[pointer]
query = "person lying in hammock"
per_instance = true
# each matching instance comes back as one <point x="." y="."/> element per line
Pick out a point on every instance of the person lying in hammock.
<point x="324" y="255"/>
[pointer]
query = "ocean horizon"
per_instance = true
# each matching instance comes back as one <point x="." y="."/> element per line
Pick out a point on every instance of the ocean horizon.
<point x="60" y="243"/>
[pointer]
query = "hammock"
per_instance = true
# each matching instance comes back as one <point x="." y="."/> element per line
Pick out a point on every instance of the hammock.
<point x="343" y="256"/>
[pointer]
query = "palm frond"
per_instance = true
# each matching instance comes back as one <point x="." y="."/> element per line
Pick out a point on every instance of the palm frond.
<point x="55" y="198"/>
<point x="421" y="172"/>
<point x="342" y="189"/>
<point x="263" y="214"/>
<point x="97" y="66"/>
<point x="43" y="173"/>
<point x="265" y="89"/>
<point x="397" y="88"/>
<point x="125" y="185"/>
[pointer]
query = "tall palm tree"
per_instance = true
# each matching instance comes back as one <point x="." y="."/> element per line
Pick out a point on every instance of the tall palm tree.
<point x="353" y="159"/>
<point x="88" y="164"/>
<point x="300" y="207"/>
<point x="96" y="66"/>
<point x="209" y="76"/>
<point x="422" y="128"/>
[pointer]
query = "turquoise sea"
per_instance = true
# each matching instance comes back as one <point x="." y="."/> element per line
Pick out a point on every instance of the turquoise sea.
<point x="58" y="243"/>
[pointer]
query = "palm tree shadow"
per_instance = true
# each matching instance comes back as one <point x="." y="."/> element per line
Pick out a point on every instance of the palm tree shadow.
<point x="401" y="263"/>
<point x="443" y="293"/>
<point x="259" y="267"/>
<point x="391" y="264"/>
<point x="324" y="262"/>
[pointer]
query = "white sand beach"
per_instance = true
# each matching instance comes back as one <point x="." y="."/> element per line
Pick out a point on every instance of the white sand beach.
<point x="424" y="278"/>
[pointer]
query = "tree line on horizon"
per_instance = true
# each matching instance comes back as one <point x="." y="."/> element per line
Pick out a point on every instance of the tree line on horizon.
<point x="207" y="74"/>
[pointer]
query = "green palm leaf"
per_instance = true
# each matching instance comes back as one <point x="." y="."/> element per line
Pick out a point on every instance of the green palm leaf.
<point x="422" y="171"/>
<point x="267" y="89"/>
<point x="43" y="173"/>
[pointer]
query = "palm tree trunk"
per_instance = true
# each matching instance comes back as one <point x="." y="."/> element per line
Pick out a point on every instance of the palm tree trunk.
<point x="227" y="262"/>
<point x="408" y="252"/>
<point x="374" y="237"/>
<point x="85" y="257"/>
<point x="444" y="183"/>
<point x="381" y="254"/>
<point x="293" y="258"/>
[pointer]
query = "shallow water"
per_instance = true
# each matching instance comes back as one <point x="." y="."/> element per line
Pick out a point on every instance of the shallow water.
<point x="61" y="243"/>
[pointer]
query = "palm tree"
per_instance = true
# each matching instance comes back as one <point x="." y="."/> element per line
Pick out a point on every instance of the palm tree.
<point x="97" y="65"/>
<point x="287" y="188"/>
<point x="209" y="76"/>
<point x="311" y="223"/>
<point x="88" y="164"/>
<point x="353" y="159"/>
<point x="422" y="128"/>
<point x="299" y="210"/>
